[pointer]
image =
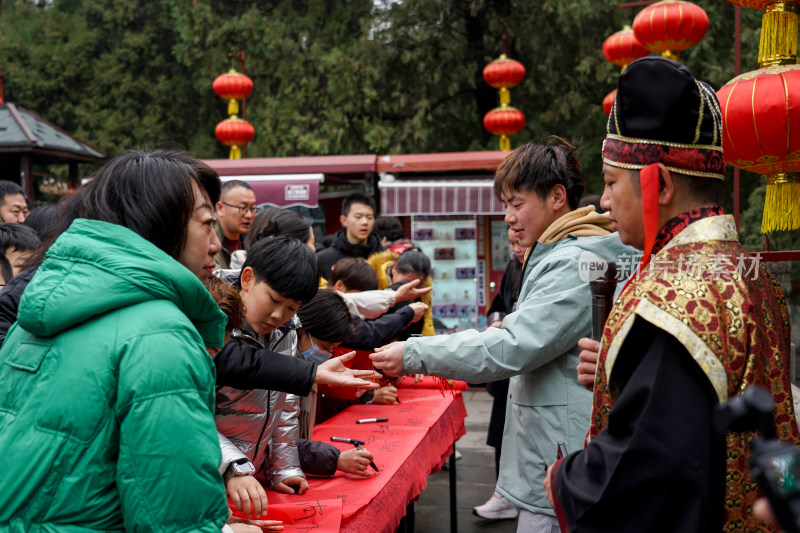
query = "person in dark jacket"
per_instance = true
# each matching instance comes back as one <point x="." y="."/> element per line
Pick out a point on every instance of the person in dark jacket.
<point x="325" y="322"/>
<point x="356" y="239"/>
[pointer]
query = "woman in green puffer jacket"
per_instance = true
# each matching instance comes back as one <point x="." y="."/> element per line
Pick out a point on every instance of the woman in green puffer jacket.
<point x="106" y="386"/>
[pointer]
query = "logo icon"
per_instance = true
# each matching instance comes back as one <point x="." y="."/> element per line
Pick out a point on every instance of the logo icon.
<point x="591" y="267"/>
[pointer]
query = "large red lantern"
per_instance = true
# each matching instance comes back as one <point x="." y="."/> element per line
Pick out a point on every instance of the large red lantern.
<point x="235" y="132"/>
<point x="622" y="48"/>
<point x="760" y="114"/>
<point x="504" y="121"/>
<point x="233" y="86"/>
<point x="504" y="73"/>
<point x="670" y="26"/>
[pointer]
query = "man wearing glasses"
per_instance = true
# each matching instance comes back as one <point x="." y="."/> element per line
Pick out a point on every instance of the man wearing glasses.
<point x="235" y="212"/>
<point x="13" y="203"/>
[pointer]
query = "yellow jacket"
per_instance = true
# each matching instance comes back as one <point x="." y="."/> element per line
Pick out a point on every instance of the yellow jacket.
<point x="381" y="262"/>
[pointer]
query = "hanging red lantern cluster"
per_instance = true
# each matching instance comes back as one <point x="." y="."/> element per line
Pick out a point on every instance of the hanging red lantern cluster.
<point x="234" y="131"/>
<point x="504" y="121"/>
<point x="670" y="27"/>
<point x="760" y="112"/>
<point x="621" y="48"/>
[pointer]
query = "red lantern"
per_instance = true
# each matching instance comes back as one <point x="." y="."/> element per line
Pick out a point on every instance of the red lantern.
<point x="233" y="86"/>
<point x="760" y="114"/>
<point x="504" y="73"/>
<point x="235" y="132"/>
<point x="622" y="48"/>
<point x="670" y="26"/>
<point x="608" y="101"/>
<point x="504" y="121"/>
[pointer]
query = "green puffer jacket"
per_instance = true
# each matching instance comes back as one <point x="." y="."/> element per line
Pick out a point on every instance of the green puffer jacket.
<point x="107" y="392"/>
<point x="537" y="347"/>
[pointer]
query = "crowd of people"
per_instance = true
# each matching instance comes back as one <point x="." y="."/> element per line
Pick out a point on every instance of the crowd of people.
<point x="168" y="347"/>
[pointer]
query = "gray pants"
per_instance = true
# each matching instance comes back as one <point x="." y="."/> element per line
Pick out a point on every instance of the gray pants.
<point x="537" y="523"/>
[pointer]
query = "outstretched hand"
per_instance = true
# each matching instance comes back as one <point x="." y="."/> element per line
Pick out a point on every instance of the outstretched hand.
<point x="333" y="372"/>
<point x="409" y="291"/>
<point x="389" y="359"/>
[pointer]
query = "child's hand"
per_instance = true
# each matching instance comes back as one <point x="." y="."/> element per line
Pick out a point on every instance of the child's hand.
<point x="355" y="461"/>
<point x="385" y="396"/>
<point x="240" y="525"/>
<point x="248" y="495"/>
<point x="286" y="485"/>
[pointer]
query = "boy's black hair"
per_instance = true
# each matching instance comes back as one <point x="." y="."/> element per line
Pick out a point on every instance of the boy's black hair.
<point x="389" y="227"/>
<point x="17" y="237"/>
<point x="413" y="261"/>
<point x="9" y="187"/>
<point x="358" y="198"/>
<point x="274" y="222"/>
<point x="286" y="265"/>
<point x="355" y="273"/>
<point x="326" y="317"/>
<point x="540" y="167"/>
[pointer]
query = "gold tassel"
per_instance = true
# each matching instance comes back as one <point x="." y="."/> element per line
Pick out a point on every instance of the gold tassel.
<point x="778" y="44"/>
<point x="236" y="152"/>
<point x="505" y="143"/>
<point x="669" y="54"/>
<point x="233" y="107"/>
<point x="782" y="205"/>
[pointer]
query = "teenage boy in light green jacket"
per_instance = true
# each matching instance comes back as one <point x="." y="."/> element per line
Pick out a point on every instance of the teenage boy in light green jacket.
<point x="537" y="345"/>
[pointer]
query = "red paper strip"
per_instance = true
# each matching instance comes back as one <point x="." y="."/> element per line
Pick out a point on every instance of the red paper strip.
<point x="321" y="516"/>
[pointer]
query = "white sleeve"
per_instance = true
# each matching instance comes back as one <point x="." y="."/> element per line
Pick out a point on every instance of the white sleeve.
<point x="369" y="304"/>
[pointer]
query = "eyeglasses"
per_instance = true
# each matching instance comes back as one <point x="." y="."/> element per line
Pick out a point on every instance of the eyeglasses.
<point x="243" y="210"/>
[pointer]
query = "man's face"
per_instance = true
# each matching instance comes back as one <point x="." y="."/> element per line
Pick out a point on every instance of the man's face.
<point x="265" y="309"/>
<point x="235" y="211"/>
<point x="202" y="242"/>
<point x="14" y="208"/>
<point x="358" y="222"/>
<point x="528" y="215"/>
<point x="623" y="201"/>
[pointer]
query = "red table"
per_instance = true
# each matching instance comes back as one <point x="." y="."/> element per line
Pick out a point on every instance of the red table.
<point x="414" y="443"/>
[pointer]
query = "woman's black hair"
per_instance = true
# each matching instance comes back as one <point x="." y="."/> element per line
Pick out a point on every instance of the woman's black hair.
<point x="326" y="317"/>
<point x="413" y="262"/>
<point x="286" y="265"/>
<point x="355" y="273"/>
<point x="150" y="193"/>
<point x="275" y="222"/>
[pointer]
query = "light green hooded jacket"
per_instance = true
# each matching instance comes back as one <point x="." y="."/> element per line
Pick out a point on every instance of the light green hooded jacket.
<point x="107" y="392"/>
<point x="537" y="347"/>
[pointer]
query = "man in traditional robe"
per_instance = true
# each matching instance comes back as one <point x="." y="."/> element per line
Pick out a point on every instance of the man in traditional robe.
<point x="697" y="324"/>
<point x="536" y="345"/>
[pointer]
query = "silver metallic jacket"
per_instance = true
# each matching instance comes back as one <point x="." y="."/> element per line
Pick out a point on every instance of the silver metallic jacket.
<point x="260" y="424"/>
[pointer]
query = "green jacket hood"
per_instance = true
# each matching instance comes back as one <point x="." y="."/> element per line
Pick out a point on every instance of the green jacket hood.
<point x="97" y="267"/>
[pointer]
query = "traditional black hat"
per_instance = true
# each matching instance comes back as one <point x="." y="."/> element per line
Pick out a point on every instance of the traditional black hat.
<point x="662" y="114"/>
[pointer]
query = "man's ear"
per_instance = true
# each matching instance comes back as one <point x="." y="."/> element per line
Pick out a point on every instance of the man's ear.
<point x="248" y="279"/>
<point x="342" y="219"/>
<point x="339" y="286"/>
<point x="559" y="194"/>
<point x="666" y="185"/>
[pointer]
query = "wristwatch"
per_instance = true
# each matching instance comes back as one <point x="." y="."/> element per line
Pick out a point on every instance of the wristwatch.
<point x="240" y="467"/>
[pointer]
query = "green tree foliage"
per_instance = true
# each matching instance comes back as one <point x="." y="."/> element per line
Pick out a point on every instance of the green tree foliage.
<point x="331" y="77"/>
